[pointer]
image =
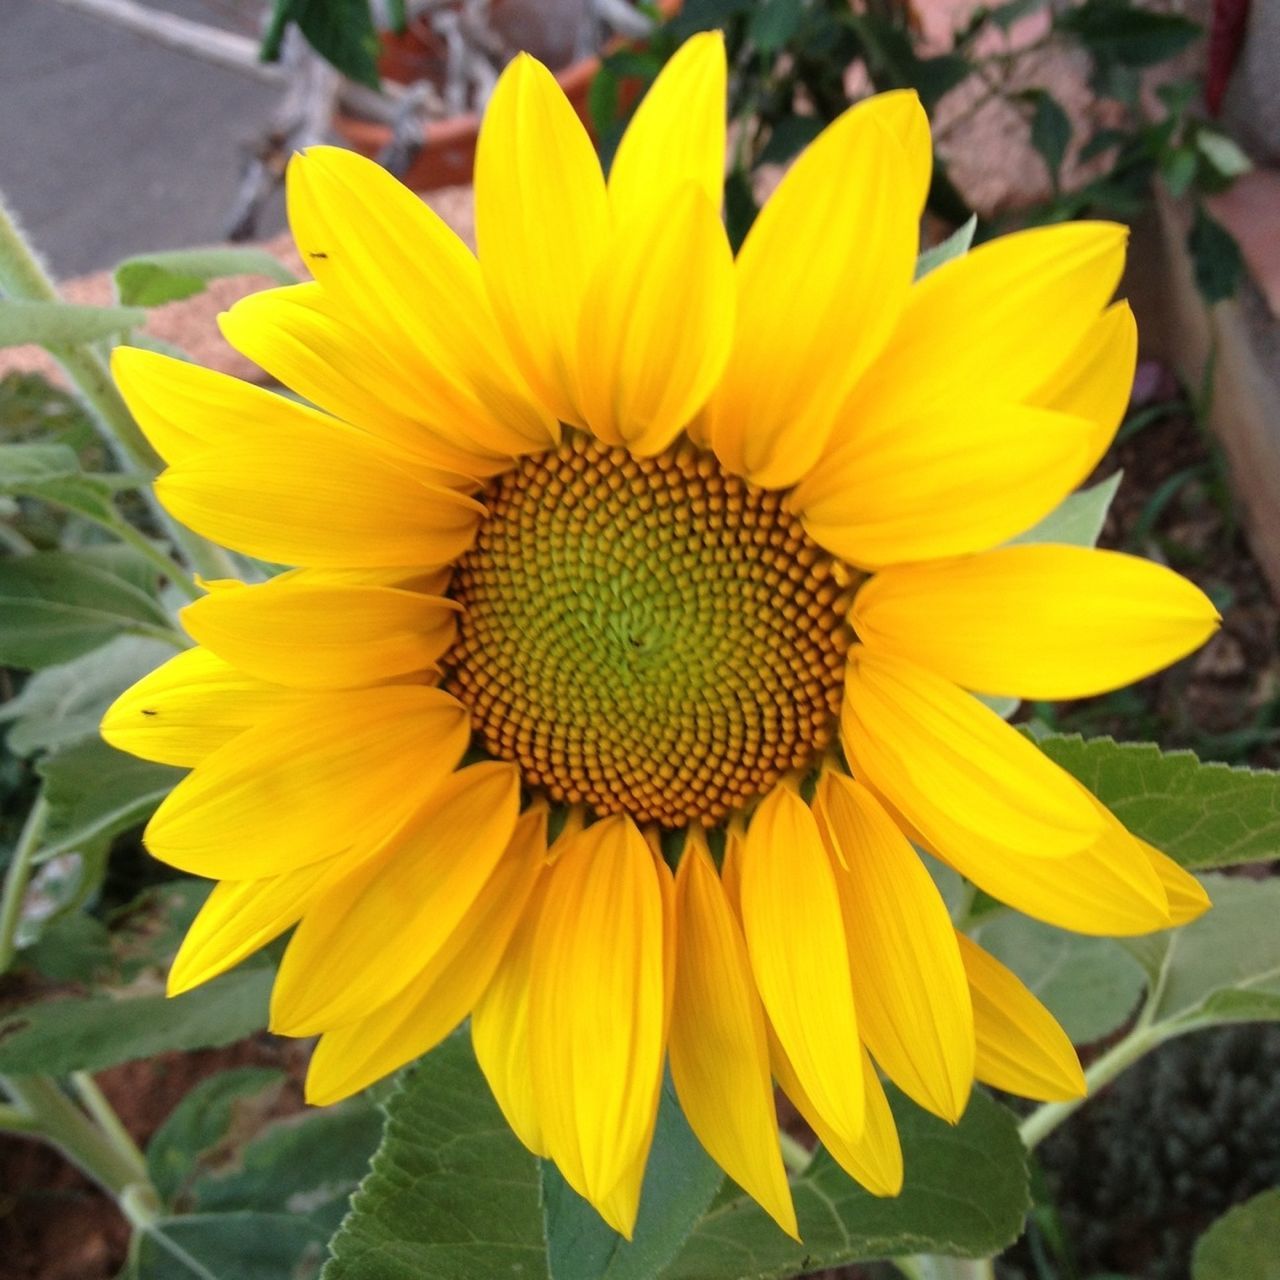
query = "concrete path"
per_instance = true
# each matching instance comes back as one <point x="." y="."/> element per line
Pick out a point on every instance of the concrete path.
<point x="111" y="144"/>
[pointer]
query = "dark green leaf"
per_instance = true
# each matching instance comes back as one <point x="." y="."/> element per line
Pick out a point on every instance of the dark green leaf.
<point x="1178" y="169"/>
<point x="895" y="64"/>
<point x="230" y="1246"/>
<point x="156" y="278"/>
<point x="1050" y="131"/>
<point x="73" y="948"/>
<point x="1244" y="1244"/>
<point x="1005" y="15"/>
<point x="679" y="1184"/>
<point x="1216" y="256"/>
<point x="88" y="1034"/>
<point x="602" y="99"/>
<point x="451" y="1191"/>
<point x="1202" y="815"/>
<point x="773" y="23"/>
<point x="340" y="31"/>
<point x="965" y="1194"/>
<point x="1091" y="985"/>
<point x="789" y="136"/>
<point x="57" y="605"/>
<point x="203" y="1120"/>
<point x="62" y="323"/>
<point x="740" y="207"/>
<point x="1115" y="31"/>
<point x="95" y="792"/>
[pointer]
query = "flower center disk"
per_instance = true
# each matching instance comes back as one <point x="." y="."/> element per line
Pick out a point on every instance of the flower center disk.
<point x="649" y="636"/>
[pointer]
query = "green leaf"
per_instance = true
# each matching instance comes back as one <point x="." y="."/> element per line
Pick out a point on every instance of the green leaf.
<point x="1079" y="519"/>
<point x="679" y="1183"/>
<point x="307" y="1164"/>
<point x="95" y="792"/>
<point x="956" y="245"/>
<point x="203" y="1120"/>
<point x="223" y="1246"/>
<point x="1050" y="131"/>
<point x="1223" y="967"/>
<point x="340" y="31"/>
<point x="1202" y="815"/>
<point x="1091" y="985"/>
<point x="156" y="278"/>
<point x="1115" y="31"/>
<point x="1222" y="153"/>
<point x="52" y="324"/>
<point x="1216" y="257"/>
<point x="773" y="23"/>
<point x="57" y="605"/>
<point x="52" y="473"/>
<point x="71" y="948"/>
<point x="1178" y="169"/>
<point x="789" y="136"/>
<point x="87" y="1034"/>
<point x="64" y="704"/>
<point x="451" y="1192"/>
<point x="965" y="1195"/>
<point x="1244" y="1244"/>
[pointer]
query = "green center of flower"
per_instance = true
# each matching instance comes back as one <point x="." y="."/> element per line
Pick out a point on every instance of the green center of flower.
<point x="648" y="636"/>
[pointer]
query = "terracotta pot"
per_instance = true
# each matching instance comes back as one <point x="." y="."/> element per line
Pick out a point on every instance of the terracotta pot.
<point x="448" y="153"/>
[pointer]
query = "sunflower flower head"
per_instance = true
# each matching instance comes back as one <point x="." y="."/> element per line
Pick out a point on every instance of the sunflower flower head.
<point x="641" y="594"/>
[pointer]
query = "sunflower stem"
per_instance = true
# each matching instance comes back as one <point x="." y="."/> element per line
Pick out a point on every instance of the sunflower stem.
<point x="18" y="877"/>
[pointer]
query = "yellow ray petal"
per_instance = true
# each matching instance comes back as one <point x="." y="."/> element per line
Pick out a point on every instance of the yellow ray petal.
<point x="500" y="1027"/>
<point x="377" y="250"/>
<point x="676" y="135"/>
<point x="1000" y="317"/>
<point x="958" y="773"/>
<point x="336" y="772"/>
<point x="432" y="582"/>
<point x="189" y="707"/>
<point x="913" y="1000"/>
<point x="297" y="497"/>
<point x="350" y="1057"/>
<point x="796" y="940"/>
<point x="719" y="1051"/>
<point x="542" y="221"/>
<point x="959" y="477"/>
<point x="365" y="939"/>
<point x="240" y="916"/>
<point x="596" y="1009"/>
<point x="323" y="637"/>
<point x="310" y="343"/>
<point x="821" y="278"/>
<point x="1095" y="382"/>
<point x="1021" y="1047"/>
<point x="1188" y="899"/>
<point x="657" y="321"/>
<point x="1035" y="621"/>
<point x="875" y="1159"/>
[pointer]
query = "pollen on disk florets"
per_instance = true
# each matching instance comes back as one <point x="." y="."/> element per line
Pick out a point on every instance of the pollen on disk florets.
<point x="649" y="636"/>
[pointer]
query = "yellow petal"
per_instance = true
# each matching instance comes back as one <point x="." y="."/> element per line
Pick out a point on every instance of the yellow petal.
<point x="657" y="321"/>
<point x="676" y="135"/>
<point x="719" y="1051"/>
<point x="1036" y="621"/>
<point x="1021" y="1047"/>
<point x="913" y="1000"/>
<point x="307" y="341"/>
<point x="297" y="497"/>
<point x="596" y="1009"/>
<point x="350" y="1057"/>
<point x="1188" y="899"/>
<point x="821" y="278"/>
<point x="336" y="772"/>
<point x="323" y="637"/>
<point x="875" y="1158"/>
<point x="189" y="707"/>
<point x="500" y="1027"/>
<point x="367" y="937"/>
<point x="240" y="916"/>
<point x="389" y="260"/>
<point x="958" y="773"/>
<point x="999" y="317"/>
<point x="959" y="477"/>
<point x="1096" y="381"/>
<point x="542" y="222"/>
<point x="799" y="955"/>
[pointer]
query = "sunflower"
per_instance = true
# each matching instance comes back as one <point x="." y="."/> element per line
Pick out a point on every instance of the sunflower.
<point x="615" y="553"/>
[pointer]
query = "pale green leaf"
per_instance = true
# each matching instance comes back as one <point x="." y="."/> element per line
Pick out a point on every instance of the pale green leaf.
<point x="156" y="278"/>
<point x="53" y="324"/>
<point x="956" y="245"/>
<point x="1202" y="815"/>
<point x="1079" y="519"/>
<point x="1244" y="1244"/>
<point x="1222" y="153"/>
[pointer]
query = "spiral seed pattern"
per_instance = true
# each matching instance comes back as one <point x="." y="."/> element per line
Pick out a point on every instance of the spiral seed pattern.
<point x="649" y="636"/>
